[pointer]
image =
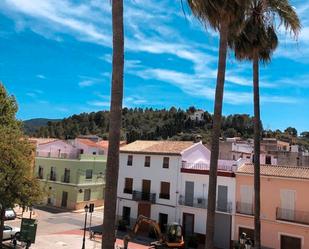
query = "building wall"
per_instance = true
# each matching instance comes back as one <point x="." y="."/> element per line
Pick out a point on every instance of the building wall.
<point x="78" y="182"/>
<point x="156" y="173"/>
<point x="270" y="200"/>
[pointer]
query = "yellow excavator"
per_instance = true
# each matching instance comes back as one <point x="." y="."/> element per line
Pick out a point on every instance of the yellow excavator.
<point x="172" y="238"/>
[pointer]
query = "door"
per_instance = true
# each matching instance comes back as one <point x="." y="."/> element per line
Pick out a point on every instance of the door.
<point x="287" y="198"/>
<point x="222" y="198"/>
<point x="163" y="221"/>
<point x="288" y="242"/>
<point x="126" y="214"/>
<point x="146" y="186"/>
<point x="64" y="201"/>
<point x="189" y="193"/>
<point x="144" y="208"/>
<point x="188" y="224"/>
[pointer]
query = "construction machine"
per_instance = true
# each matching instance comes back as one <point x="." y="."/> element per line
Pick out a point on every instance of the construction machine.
<point x="172" y="238"/>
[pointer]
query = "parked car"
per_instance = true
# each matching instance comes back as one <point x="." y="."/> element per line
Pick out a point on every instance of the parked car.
<point x="10" y="214"/>
<point x="11" y="232"/>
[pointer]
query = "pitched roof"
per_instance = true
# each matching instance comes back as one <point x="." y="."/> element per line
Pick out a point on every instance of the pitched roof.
<point x="104" y="143"/>
<point x="87" y="142"/>
<point x="156" y="147"/>
<point x="276" y="171"/>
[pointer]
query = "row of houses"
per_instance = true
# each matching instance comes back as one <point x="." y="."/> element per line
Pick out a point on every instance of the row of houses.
<point x="168" y="182"/>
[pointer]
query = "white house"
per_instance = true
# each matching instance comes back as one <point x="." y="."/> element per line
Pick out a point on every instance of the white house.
<point x="198" y="115"/>
<point x="168" y="182"/>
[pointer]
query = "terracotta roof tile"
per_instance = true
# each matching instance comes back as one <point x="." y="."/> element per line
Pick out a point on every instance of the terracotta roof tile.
<point x="87" y="142"/>
<point x="104" y="143"/>
<point x="156" y="147"/>
<point x="276" y="171"/>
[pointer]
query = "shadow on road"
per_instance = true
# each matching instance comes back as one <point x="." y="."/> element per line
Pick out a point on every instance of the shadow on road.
<point x="53" y="210"/>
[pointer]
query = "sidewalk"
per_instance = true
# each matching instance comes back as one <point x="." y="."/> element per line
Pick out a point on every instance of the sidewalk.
<point x="26" y="214"/>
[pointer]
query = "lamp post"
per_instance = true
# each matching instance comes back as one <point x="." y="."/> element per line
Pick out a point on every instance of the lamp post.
<point x="86" y="211"/>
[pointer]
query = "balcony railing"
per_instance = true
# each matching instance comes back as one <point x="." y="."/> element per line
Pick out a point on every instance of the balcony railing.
<point x="144" y="196"/>
<point x="227" y="166"/>
<point x="52" y="177"/>
<point x="225" y="207"/>
<point x="295" y="216"/>
<point x="127" y="191"/>
<point x="245" y="208"/>
<point x="193" y="202"/>
<point x="164" y="196"/>
<point x="65" y="179"/>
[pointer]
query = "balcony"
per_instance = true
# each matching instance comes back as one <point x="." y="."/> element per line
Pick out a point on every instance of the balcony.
<point x="223" y="165"/>
<point x="127" y="191"/>
<point x="244" y="208"/>
<point x="225" y="207"/>
<point x="164" y="196"/>
<point x="65" y="179"/>
<point x="52" y="177"/>
<point x="143" y="196"/>
<point x="193" y="202"/>
<point x="301" y="217"/>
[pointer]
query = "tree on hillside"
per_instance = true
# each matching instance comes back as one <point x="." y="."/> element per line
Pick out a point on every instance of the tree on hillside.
<point x="225" y="17"/>
<point x="112" y="167"/>
<point x="18" y="186"/>
<point x="256" y="43"/>
<point x="291" y="131"/>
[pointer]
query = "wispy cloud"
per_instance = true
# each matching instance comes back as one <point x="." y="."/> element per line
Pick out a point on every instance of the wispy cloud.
<point x="41" y="76"/>
<point x="97" y="103"/>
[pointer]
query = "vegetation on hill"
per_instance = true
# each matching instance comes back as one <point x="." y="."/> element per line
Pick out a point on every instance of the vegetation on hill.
<point x="155" y="124"/>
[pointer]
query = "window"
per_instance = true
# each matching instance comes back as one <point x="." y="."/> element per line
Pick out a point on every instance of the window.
<point x="81" y="151"/>
<point x="126" y="213"/>
<point x="40" y="173"/>
<point x="166" y="162"/>
<point x="234" y="157"/>
<point x="147" y="161"/>
<point x="165" y="190"/>
<point x="66" y="177"/>
<point x="52" y="174"/>
<point x="89" y="174"/>
<point x="94" y="153"/>
<point x="128" y="185"/>
<point x="163" y="218"/>
<point x="87" y="194"/>
<point x="130" y="160"/>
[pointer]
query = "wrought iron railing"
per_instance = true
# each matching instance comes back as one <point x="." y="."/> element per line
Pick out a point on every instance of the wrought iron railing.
<point x="144" y="196"/>
<point x="290" y="215"/>
<point x="244" y="208"/>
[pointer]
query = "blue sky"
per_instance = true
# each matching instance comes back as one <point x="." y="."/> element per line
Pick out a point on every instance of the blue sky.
<point x="55" y="57"/>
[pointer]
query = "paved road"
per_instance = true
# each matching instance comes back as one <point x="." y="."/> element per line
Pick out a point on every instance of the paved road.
<point x="61" y="229"/>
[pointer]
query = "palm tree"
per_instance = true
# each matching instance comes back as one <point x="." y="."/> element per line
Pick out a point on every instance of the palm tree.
<point x="111" y="176"/>
<point x="256" y="43"/>
<point x="224" y="16"/>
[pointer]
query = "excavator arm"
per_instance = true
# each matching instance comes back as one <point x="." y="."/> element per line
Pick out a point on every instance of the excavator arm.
<point x="140" y="220"/>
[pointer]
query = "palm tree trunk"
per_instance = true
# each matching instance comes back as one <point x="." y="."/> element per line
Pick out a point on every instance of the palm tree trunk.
<point x="2" y="214"/>
<point x="111" y="176"/>
<point x="212" y="187"/>
<point x="257" y="138"/>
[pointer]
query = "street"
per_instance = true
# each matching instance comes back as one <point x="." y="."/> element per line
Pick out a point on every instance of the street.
<point x="62" y="229"/>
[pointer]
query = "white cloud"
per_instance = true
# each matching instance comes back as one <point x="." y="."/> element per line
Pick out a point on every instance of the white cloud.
<point x="99" y="103"/>
<point x="86" y="83"/>
<point x="41" y="76"/>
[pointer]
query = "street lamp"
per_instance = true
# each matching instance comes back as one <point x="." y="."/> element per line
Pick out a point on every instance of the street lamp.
<point x="86" y="211"/>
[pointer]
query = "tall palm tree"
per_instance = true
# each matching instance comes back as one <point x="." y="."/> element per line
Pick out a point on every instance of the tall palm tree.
<point x="224" y="16"/>
<point x="256" y="43"/>
<point x="111" y="176"/>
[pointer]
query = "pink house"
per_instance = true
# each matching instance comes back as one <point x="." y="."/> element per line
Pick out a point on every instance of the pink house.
<point x="284" y="206"/>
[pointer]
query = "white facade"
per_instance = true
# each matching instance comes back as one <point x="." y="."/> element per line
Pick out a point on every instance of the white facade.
<point x="197" y="115"/>
<point x="191" y="165"/>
